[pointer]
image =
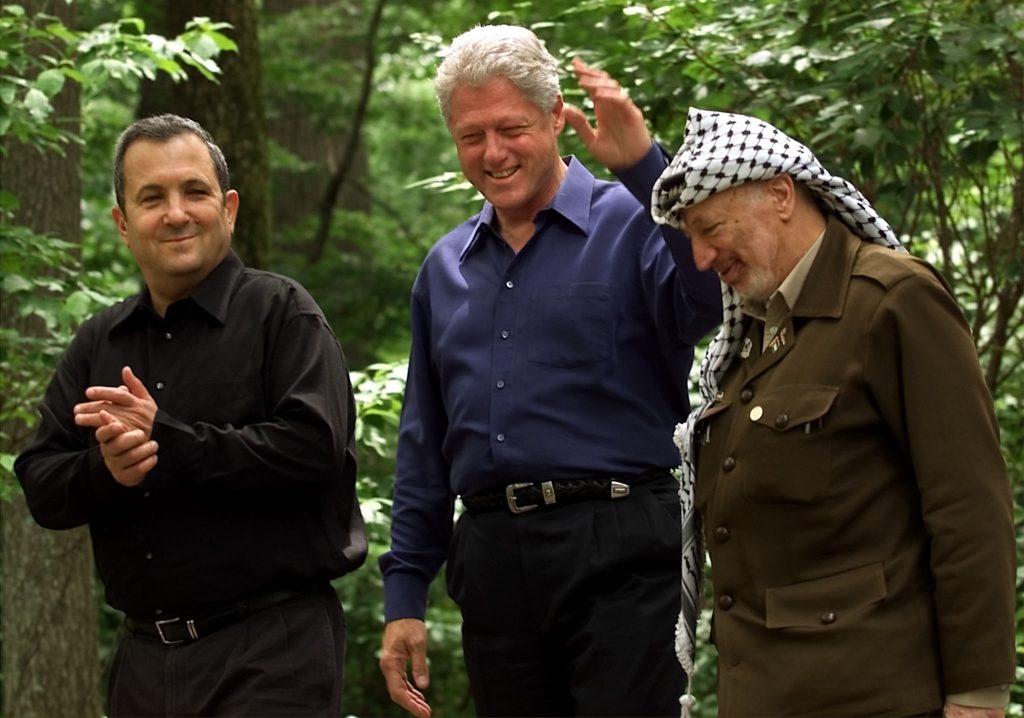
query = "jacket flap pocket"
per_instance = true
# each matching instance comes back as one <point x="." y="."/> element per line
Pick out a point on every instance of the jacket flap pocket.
<point x="794" y="405"/>
<point x="825" y="601"/>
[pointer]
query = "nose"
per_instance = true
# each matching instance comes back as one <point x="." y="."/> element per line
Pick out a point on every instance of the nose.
<point x="176" y="212"/>
<point x="703" y="253"/>
<point x="494" y="148"/>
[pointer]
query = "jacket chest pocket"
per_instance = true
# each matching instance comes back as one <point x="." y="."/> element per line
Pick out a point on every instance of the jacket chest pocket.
<point x="708" y="448"/>
<point x="787" y="443"/>
<point x="570" y="325"/>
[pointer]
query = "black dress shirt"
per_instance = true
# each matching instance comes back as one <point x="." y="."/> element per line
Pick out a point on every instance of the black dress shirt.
<point x="254" y="487"/>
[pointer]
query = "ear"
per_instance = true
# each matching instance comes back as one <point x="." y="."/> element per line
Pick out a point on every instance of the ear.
<point x="231" y="207"/>
<point x="120" y="223"/>
<point x="783" y="195"/>
<point x="558" y="113"/>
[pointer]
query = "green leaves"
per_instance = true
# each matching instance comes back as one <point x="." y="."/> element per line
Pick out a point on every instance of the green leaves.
<point x="117" y="51"/>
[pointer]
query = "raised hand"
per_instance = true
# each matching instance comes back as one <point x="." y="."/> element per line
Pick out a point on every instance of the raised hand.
<point x="620" y="138"/>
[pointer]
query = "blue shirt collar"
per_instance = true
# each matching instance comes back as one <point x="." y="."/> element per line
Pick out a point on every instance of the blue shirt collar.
<point x="572" y="201"/>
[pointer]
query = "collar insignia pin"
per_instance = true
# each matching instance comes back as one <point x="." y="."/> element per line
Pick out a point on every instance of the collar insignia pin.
<point x="747" y="347"/>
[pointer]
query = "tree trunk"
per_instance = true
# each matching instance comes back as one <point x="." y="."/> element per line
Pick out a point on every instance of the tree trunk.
<point x="231" y="110"/>
<point x="50" y="619"/>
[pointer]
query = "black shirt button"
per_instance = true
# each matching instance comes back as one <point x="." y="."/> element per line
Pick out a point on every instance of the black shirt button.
<point x="828" y="618"/>
<point x="746" y="395"/>
<point x="725" y="602"/>
<point x="781" y="420"/>
<point x="722" y="534"/>
<point x="729" y="464"/>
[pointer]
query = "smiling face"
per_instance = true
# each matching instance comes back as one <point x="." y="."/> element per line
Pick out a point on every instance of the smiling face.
<point x="742" y="234"/>
<point x="176" y="219"/>
<point x="507" y="147"/>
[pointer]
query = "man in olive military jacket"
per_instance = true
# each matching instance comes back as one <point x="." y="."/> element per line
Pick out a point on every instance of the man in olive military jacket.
<point x="846" y="462"/>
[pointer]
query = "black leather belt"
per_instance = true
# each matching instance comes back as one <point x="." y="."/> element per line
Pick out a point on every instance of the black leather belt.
<point x="518" y="498"/>
<point x="172" y="631"/>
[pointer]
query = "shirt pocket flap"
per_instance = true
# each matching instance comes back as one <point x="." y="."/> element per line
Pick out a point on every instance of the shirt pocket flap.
<point x="825" y="601"/>
<point x="794" y="405"/>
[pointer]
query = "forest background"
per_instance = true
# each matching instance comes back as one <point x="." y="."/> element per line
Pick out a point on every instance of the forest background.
<point x="347" y="176"/>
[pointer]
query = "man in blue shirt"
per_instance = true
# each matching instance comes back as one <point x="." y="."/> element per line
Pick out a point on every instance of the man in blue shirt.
<point x="552" y="336"/>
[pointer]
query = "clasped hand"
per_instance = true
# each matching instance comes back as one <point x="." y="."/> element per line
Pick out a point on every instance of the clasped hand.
<point x="123" y="417"/>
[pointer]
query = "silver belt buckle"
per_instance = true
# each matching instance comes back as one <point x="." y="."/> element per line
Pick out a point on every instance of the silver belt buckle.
<point x="547" y="491"/>
<point x="189" y="625"/>
<point x="510" y="497"/>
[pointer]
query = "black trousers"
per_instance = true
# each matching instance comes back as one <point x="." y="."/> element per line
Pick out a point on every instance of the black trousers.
<point x="571" y="610"/>
<point x="286" y="660"/>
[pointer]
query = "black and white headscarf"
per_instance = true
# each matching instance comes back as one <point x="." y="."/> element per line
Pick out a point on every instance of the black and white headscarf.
<point x="722" y="150"/>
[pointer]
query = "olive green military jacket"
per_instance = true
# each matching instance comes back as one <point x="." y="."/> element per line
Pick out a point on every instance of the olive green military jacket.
<point x="855" y="503"/>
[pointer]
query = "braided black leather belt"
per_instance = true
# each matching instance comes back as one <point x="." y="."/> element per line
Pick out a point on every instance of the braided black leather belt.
<point x="520" y="497"/>
<point x="172" y="631"/>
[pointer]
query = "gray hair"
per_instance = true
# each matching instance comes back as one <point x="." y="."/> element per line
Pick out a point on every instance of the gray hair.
<point x="162" y="128"/>
<point x="488" y="51"/>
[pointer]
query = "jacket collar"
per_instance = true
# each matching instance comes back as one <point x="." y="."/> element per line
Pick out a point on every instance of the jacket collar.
<point x="824" y="291"/>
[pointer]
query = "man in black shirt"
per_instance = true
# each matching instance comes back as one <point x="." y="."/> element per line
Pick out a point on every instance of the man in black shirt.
<point x="203" y="429"/>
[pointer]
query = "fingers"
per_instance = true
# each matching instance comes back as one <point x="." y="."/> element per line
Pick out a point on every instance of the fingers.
<point x="579" y="123"/>
<point x="405" y="640"/>
<point x="129" y="403"/>
<point x="597" y="83"/>
<point x="109" y="427"/>
<point x="134" y="384"/>
<point x="129" y="456"/>
<point x="127" y="453"/>
<point x="91" y="414"/>
<point x="404" y="693"/>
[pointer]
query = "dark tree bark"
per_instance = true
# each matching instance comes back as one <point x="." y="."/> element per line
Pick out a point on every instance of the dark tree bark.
<point x="231" y="110"/>
<point x="50" y="617"/>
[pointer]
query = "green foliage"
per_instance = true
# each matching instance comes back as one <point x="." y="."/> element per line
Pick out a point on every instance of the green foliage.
<point x="378" y="392"/>
<point x="45" y="298"/>
<point x="30" y="78"/>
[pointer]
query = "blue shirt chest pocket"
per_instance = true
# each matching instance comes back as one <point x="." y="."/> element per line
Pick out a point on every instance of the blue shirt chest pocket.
<point x="570" y="325"/>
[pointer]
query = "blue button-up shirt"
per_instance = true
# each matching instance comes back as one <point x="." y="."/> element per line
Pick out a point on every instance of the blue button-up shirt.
<point x="567" y="359"/>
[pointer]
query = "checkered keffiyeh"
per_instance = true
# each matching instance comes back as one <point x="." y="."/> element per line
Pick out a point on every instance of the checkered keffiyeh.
<point x="722" y="150"/>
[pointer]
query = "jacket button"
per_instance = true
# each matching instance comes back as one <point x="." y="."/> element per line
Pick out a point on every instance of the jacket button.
<point x="828" y="617"/>
<point x="729" y="464"/>
<point x="721" y="534"/>
<point x="746" y="395"/>
<point x="725" y="602"/>
<point x="781" y="420"/>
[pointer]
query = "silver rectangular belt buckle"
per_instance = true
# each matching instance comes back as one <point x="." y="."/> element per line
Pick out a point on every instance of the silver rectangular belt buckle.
<point x="189" y="625"/>
<point x="510" y="497"/>
<point x="547" y="492"/>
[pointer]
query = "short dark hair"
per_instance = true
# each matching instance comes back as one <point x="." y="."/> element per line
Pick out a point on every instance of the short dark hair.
<point x="162" y="128"/>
